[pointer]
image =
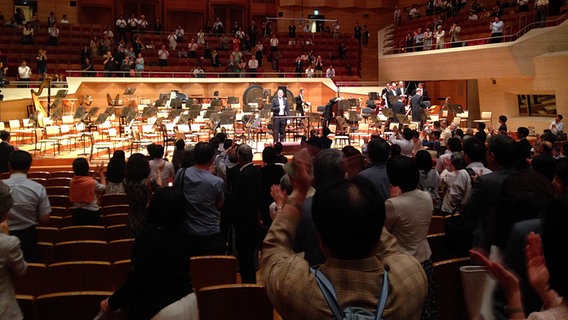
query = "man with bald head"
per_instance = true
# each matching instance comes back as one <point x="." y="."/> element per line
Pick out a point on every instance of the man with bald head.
<point x="279" y="107"/>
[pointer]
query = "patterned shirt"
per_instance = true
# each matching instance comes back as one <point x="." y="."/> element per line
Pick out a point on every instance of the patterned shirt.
<point x="293" y="290"/>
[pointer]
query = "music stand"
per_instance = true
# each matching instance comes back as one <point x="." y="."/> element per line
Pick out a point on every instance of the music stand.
<point x="402" y="118"/>
<point x="313" y="116"/>
<point x="148" y="112"/>
<point x="80" y="113"/>
<point x="216" y="103"/>
<point x="353" y="102"/>
<point x="109" y="111"/>
<point x="92" y="112"/>
<point x="233" y="100"/>
<point x="227" y="118"/>
<point x="388" y="112"/>
<point x="193" y="114"/>
<point x="175" y="103"/>
<point x="131" y="116"/>
<point x="129" y="91"/>
<point x="56" y="114"/>
<point x="455" y="108"/>
<point x="101" y="118"/>
<point x="195" y="107"/>
<point x="174" y="113"/>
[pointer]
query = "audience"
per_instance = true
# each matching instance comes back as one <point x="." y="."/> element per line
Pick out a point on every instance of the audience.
<point x="116" y="170"/>
<point x="138" y="187"/>
<point x="83" y="191"/>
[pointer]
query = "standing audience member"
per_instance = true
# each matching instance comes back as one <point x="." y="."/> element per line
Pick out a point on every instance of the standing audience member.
<point x="31" y="205"/>
<point x="83" y="191"/>
<point x="163" y="56"/>
<point x="161" y="170"/>
<point x="557" y="126"/>
<point x="496" y="27"/>
<point x="138" y="187"/>
<point x="349" y="217"/>
<point x="408" y="220"/>
<point x="245" y="185"/>
<point x="378" y="151"/>
<point x="24" y="73"/>
<point x="179" y="154"/>
<point x="5" y="150"/>
<point x="204" y="196"/>
<point x="41" y="60"/>
<point x="440" y="34"/>
<point x="53" y="32"/>
<point x="116" y="171"/>
<point x="271" y="175"/>
<point x="158" y="284"/>
<point x="11" y="260"/>
<point x="429" y="179"/>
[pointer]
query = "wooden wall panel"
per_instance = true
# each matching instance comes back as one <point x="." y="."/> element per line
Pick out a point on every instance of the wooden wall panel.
<point x="191" y="5"/>
<point x="60" y="8"/>
<point x="190" y="21"/>
<point x="7" y="9"/>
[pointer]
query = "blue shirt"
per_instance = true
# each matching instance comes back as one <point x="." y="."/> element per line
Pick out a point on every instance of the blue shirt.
<point x="377" y="174"/>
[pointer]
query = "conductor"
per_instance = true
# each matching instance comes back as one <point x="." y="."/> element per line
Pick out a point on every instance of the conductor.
<point x="280" y="107"/>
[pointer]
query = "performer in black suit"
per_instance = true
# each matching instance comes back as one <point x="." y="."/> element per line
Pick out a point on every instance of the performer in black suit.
<point x="398" y="108"/>
<point x="279" y="107"/>
<point x="301" y="103"/>
<point x="328" y="111"/>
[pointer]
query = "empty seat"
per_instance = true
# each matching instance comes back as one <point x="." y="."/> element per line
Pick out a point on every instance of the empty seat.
<point x="212" y="270"/>
<point x="116" y="218"/>
<point x="120" y="271"/>
<point x="79" y="276"/>
<point x="451" y="303"/>
<point x="117" y="232"/>
<point x="81" y="250"/>
<point x="75" y="233"/>
<point x="34" y="282"/>
<point x="113" y="209"/>
<point x="58" y="181"/>
<point x="47" y="234"/>
<point x="120" y="249"/>
<point x="238" y="301"/>
<point x="83" y="305"/>
<point x="114" y="199"/>
<point x="27" y="305"/>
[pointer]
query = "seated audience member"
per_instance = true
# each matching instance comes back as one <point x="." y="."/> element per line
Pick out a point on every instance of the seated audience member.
<point x="161" y="170"/>
<point x="408" y="220"/>
<point x="158" y="284"/>
<point x="31" y="204"/>
<point x="11" y="260"/>
<point x="545" y="266"/>
<point x="83" y="191"/>
<point x="349" y="217"/>
<point x="116" y="170"/>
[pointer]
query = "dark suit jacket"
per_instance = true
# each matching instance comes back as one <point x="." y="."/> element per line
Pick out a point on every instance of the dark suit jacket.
<point x="417" y="106"/>
<point x="246" y="186"/>
<point x="275" y="107"/>
<point x="5" y="150"/>
<point x="299" y="103"/>
<point x="480" y="211"/>
<point x="271" y="175"/>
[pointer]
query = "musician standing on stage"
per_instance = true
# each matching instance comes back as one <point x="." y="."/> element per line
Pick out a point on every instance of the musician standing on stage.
<point x="301" y="103"/>
<point x="279" y="107"/>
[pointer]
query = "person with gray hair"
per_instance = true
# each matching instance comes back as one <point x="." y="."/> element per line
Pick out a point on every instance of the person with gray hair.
<point x="11" y="260"/>
<point x="245" y="185"/>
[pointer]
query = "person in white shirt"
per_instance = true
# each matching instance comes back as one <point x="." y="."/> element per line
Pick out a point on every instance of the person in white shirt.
<point x="163" y="55"/>
<point x="274" y="43"/>
<point x="310" y="72"/>
<point x="253" y="65"/>
<point x="557" y="127"/>
<point x="179" y="33"/>
<point x="406" y="145"/>
<point x="440" y="34"/>
<point x="142" y="24"/>
<point x="280" y="107"/>
<point x="172" y="41"/>
<point x="53" y="32"/>
<point x="64" y="20"/>
<point x="497" y="27"/>
<point x="24" y="72"/>
<point x="121" y="28"/>
<point x="330" y="72"/>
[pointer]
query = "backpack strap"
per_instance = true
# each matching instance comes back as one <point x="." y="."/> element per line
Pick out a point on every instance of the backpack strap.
<point x="331" y="297"/>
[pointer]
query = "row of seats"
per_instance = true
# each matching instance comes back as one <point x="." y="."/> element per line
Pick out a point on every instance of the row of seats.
<point x="113" y="250"/>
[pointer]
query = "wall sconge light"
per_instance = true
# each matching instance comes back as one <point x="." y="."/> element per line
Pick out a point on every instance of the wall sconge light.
<point x="493" y="81"/>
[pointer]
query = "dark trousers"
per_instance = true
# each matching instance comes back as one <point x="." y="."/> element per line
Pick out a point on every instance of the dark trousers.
<point x="245" y="234"/>
<point x="279" y="130"/>
<point x="28" y="243"/>
<point x="84" y="217"/>
<point x="496" y="37"/>
<point x="206" y="245"/>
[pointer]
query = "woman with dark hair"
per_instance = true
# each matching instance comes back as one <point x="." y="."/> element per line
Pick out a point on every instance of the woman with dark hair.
<point x="179" y="154"/>
<point x="116" y="170"/>
<point x="138" y="187"/>
<point x="83" y="190"/>
<point x="158" y="285"/>
<point x="429" y="179"/>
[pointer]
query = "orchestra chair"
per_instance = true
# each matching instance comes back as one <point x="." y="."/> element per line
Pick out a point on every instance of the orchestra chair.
<point x="437" y="225"/>
<point x="59" y="201"/>
<point x="113" y="199"/>
<point x="120" y="249"/>
<point x="28" y="306"/>
<point x="487" y="117"/>
<point x="58" y="182"/>
<point x="96" y="146"/>
<point x="115" y="218"/>
<point x="362" y="131"/>
<point x="342" y="134"/>
<point x="46" y="252"/>
<point x="78" y="305"/>
<point x="168" y="136"/>
<point x="62" y="174"/>
<point x="79" y="276"/>
<point x="77" y="233"/>
<point x="93" y="250"/>
<point x="117" y="232"/>
<point x="47" y="234"/>
<point x="208" y="271"/>
<point x="450" y="297"/>
<point x="50" y="137"/>
<point x="34" y="282"/>
<point x="137" y="141"/>
<point x="238" y="301"/>
<point x="120" y="271"/>
<point x="114" y="209"/>
<point x="57" y="190"/>
<point x="38" y="174"/>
